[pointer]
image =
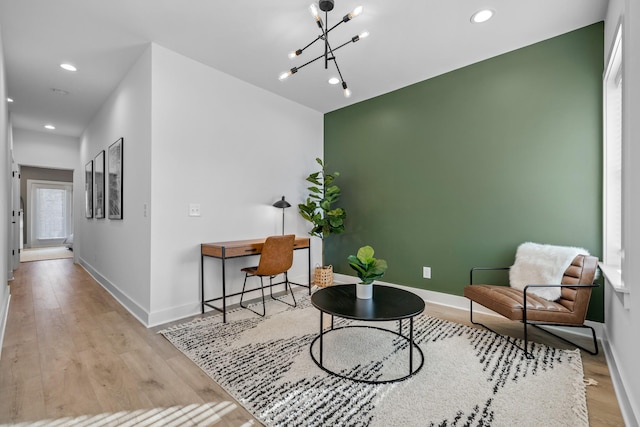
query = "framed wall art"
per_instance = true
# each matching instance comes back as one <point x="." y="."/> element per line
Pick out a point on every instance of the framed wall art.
<point x="115" y="179"/>
<point x="88" y="190"/>
<point x="98" y="181"/>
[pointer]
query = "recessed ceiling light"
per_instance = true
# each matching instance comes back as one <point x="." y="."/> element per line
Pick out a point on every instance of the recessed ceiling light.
<point x="68" y="67"/>
<point x="334" y="81"/>
<point x="50" y="127"/>
<point x="9" y="99"/>
<point x="482" y="16"/>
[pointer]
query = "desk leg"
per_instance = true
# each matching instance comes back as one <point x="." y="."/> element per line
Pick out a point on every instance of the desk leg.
<point x="202" y="282"/>
<point x="224" y="289"/>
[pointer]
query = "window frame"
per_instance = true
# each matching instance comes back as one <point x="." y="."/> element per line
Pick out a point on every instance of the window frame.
<point x="32" y="185"/>
<point x="613" y="252"/>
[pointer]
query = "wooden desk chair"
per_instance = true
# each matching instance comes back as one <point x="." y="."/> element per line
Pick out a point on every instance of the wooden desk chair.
<point x="518" y="305"/>
<point x="276" y="258"/>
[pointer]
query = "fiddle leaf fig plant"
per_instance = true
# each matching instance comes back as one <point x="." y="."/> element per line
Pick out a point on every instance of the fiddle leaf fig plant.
<point x="367" y="267"/>
<point x="318" y="208"/>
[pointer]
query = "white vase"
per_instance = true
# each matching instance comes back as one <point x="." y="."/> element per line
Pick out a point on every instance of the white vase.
<point x="364" y="291"/>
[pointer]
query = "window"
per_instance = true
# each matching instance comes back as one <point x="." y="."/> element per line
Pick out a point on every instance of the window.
<point x="612" y="186"/>
<point x="50" y="214"/>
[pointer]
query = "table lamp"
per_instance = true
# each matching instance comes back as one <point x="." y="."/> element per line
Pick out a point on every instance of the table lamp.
<point x="282" y="204"/>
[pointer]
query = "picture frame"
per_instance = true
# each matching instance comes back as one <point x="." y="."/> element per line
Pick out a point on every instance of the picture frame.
<point x="98" y="181"/>
<point x="88" y="189"/>
<point x="115" y="184"/>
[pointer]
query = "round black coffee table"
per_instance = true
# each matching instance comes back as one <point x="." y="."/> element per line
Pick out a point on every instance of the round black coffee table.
<point x="387" y="304"/>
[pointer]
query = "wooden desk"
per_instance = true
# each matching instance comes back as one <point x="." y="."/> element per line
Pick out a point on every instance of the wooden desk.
<point x="236" y="249"/>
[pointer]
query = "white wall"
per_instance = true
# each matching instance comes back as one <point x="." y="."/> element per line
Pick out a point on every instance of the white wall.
<point x="622" y="324"/>
<point x="116" y="252"/>
<point x="233" y="148"/>
<point x="5" y="171"/>
<point x="192" y="135"/>
<point x="46" y="150"/>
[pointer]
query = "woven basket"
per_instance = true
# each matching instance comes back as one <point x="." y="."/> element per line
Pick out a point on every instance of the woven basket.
<point x="323" y="276"/>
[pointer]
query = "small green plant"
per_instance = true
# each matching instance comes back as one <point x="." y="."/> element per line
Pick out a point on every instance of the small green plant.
<point x="367" y="267"/>
<point x="318" y="209"/>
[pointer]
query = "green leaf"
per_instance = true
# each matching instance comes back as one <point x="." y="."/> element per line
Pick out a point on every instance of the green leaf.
<point x="365" y="254"/>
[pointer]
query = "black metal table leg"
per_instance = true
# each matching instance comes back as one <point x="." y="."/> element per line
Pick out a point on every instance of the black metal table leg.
<point x="321" y="334"/>
<point x="411" y="346"/>
<point x="309" y="266"/>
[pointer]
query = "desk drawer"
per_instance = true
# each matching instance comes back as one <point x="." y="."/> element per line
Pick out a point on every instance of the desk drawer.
<point x="235" y="251"/>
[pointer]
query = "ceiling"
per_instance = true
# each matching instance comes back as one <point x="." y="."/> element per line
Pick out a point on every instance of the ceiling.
<point x="410" y="41"/>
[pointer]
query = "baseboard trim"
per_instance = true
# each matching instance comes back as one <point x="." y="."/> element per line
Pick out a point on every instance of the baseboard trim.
<point x="618" y="385"/>
<point x="130" y="305"/>
<point x="157" y="318"/>
<point x="5" y="315"/>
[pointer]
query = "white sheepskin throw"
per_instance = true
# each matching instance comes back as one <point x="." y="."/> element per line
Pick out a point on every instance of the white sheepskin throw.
<point x="538" y="264"/>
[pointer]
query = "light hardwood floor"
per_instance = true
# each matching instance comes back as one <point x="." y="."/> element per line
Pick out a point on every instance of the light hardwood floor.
<point x="70" y="349"/>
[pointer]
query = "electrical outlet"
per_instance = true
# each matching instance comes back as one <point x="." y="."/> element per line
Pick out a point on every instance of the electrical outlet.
<point x="194" y="209"/>
<point x="426" y="272"/>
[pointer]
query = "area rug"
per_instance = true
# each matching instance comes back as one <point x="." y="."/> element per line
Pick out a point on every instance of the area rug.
<point x="470" y="377"/>
<point x="43" y="254"/>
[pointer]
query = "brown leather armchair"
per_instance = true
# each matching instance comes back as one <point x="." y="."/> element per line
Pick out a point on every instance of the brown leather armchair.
<point x="569" y="310"/>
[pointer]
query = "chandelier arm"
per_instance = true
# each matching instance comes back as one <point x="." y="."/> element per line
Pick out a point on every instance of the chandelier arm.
<point x="310" y="62"/>
<point x="326" y="39"/>
<point x="333" y="56"/>
<point x="322" y="56"/>
<point x="330" y="29"/>
<point x="335" y="61"/>
<point x="317" y="38"/>
<point x="342" y="45"/>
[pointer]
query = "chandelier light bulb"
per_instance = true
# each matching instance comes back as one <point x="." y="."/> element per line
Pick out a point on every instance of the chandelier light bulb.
<point x="295" y="53"/>
<point x="314" y="11"/>
<point x="364" y="34"/>
<point x="286" y="74"/>
<point x="334" y="81"/>
<point x="356" y="12"/>
<point x="347" y="92"/>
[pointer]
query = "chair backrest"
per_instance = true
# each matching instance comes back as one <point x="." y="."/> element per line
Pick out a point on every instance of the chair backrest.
<point x="582" y="271"/>
<point x="276" y="256"/>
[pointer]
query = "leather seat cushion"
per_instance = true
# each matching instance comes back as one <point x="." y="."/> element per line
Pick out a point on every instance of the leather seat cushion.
<point x="508" y="302"/>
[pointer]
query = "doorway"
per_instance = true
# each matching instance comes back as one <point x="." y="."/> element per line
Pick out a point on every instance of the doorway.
<point x="46" y="199"/>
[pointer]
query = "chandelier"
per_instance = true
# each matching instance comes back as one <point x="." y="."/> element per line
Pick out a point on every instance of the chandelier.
<point x="329" y="52"/>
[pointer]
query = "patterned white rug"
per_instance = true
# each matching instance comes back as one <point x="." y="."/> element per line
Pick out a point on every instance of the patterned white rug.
<point x="471" y="377"/>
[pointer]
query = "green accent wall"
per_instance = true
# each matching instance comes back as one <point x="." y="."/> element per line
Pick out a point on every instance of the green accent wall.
<point x="458" y="170"/>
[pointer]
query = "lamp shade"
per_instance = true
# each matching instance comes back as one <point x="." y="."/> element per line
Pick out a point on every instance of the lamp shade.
<point x="282" y="204"/>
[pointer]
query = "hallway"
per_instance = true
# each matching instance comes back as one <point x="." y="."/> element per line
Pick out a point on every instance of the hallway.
<point x="70" y="349"/>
